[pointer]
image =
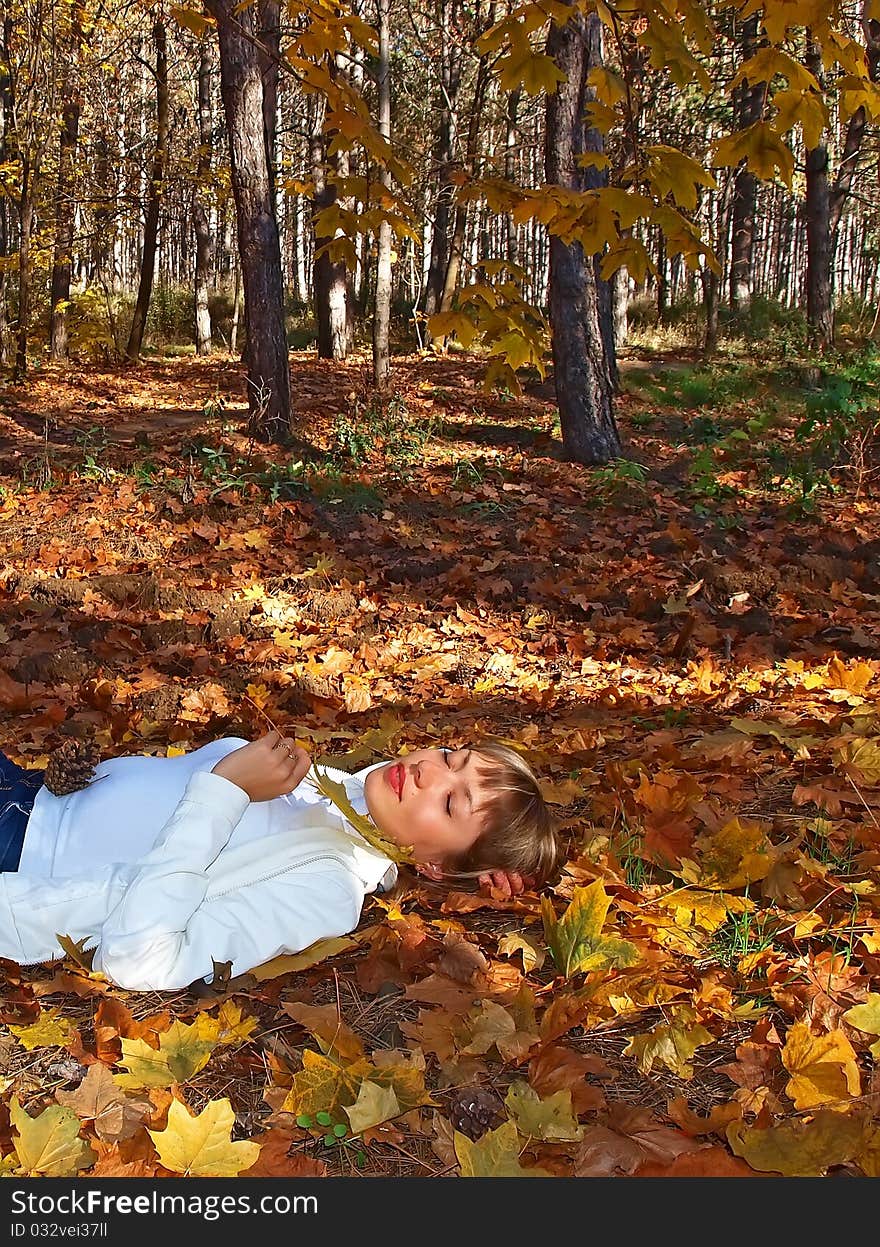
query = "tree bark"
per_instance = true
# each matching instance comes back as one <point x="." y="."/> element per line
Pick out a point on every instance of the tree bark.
<point x="204" y="239"/>
<point x="748" y="106"/>
<point x="450" y="79"/>
<point x="154" y="198"/>
<point x="583" y="359"/>
<point x="817" y="213"/>
<point x="382" y="309"/>
<point x="329" y="276"/>
<point x="26" y="222"/>
<point x="62" y="259"/>
<point x="268" y="371"/>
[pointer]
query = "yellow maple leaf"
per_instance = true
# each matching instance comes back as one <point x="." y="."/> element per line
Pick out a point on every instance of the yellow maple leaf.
<point x="799" y="1149"/>
<point x="762" y="149"/>
<point x="866" y="1017"/>
<point x="373" y="1105"/>
<point x="325" y="1085"/>
<point x="200" y="1146"/>
<point x="494" y="1155"/>
<point x="549" y="1118"/>
<point x="575" y="939"/>
<point x="319" y="951"/>
<point x="733" y="856"/>
<point x="49" y="1146"/>
<point x="183" y="1050"/>
<point x="672" y="1045"/>
<point x="519" y="942"/>
<point x="336" y="794"/>
<point x="823" y="1068"/>
<point x="50" y="1030"/>
<point x="233" y="1028"/>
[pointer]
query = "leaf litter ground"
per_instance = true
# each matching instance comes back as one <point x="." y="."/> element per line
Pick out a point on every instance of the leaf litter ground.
<point x="684" y="651"/>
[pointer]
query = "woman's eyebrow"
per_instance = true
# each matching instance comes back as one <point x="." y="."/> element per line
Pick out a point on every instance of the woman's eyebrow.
<point x="467" y="791"/>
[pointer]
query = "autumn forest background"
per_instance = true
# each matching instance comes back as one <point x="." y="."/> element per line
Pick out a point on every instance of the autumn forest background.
<point x="414" y="375"/>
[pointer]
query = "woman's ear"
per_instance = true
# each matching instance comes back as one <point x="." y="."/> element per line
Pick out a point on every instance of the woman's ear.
<point x="430" y="870"/>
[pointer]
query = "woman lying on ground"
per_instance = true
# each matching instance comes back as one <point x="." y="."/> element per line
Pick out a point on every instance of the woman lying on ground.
<point x="165" y="866"/>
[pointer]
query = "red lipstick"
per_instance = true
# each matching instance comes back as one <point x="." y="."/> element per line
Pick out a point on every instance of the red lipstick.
<point x="396" y="778"/>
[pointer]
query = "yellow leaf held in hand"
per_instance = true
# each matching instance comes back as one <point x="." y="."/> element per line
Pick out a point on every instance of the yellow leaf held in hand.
<point x="823" y="1068"/>
<point x="49" y="1031"/>
<point x="672" y="1046"/>
<point x="49" y="1146"/>
<point x="200" y="1147"/>
<point x="336" y="794"/>
<point x="495" y="1155"/>
<point x="551" y="1118"/>
<point x="575" y="939"/>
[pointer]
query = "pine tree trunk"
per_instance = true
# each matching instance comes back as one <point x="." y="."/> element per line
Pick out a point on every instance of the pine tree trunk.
<point x="154" y="198"/>
<point x="748" y="105"/>
<point x="444" y="109"/>
<point x="204" y="240"/>
<point x="62" y="259"/>
<point x="382" y="312"/>
<point x="329" y="276"/>
<point x="817" y="211"/>
<point x="584" y="371"/>
<point x="26" y="221"/>
<point x="258" y="245"/>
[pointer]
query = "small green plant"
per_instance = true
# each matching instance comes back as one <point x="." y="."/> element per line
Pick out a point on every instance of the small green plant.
<point x="619" y="477"/>
<point x="740" y="935"/>
<point x="676" y="718"/>
<point x="93" y="442"/>
<point x="336" y="1134"/>
<point x="468" y="472"/>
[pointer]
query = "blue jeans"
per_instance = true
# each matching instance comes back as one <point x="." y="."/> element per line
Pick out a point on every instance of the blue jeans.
<point x="18" y="789"/>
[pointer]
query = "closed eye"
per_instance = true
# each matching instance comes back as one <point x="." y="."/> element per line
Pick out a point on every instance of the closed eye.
<point x="449" y="798"/>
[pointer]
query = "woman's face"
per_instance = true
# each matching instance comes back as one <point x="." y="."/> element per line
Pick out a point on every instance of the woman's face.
<point x="429" y="800"/>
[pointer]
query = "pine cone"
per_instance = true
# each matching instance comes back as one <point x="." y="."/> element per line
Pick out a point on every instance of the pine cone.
<point x="71" y="766"/>
<point x="474" y="1110"/>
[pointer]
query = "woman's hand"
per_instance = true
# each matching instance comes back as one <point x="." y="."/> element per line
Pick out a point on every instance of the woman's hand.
<point x="266" y="768"/>
<point x="508" y="882"/>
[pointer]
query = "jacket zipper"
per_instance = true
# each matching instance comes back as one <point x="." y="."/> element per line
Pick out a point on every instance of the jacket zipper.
<point x="306" y="861"/>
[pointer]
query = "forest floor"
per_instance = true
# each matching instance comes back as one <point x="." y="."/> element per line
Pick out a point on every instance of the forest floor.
<point x="684" y="644"/>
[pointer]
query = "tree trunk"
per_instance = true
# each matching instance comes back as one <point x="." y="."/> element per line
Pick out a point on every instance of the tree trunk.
<point x="456" y="248"/>
<point x="817" y="212"/>
<point x="748" y="106"/>
<point x="855" y="132"/>
<point x="258" y="245"/>
<point x="450" y="79"/>
<point x="382" y="312"/>
<point x="6" y="154"/>
<point x="154" y="199"/>
<point x="330" y="278"/>
<point x="619" y="307"/>
<point x="204" y="240"/>
<point x="62" y="259"/>
<point x="510" y="149"/>
<point x="26" y="222"/>
<point x="584" y="371"/>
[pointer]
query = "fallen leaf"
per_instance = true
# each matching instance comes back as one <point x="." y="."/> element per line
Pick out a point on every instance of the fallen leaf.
<point x="200" y="1146"/>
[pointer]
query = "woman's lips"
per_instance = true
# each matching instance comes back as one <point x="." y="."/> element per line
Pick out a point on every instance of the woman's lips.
<point x="395" y="776"/>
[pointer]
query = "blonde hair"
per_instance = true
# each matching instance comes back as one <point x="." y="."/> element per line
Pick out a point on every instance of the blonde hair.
<point x="518" y="831"/>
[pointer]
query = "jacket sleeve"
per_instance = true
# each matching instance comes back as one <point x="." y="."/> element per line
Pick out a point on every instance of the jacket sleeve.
<point x="160" y="937"/>
<point x="170" y="882"/>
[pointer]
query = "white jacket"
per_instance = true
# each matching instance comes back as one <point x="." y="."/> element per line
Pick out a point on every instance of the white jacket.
<point x="161" y="922"/>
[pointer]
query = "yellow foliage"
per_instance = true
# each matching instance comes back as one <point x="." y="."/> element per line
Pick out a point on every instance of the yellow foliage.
<point x="200" y="1146"/>
<point x="823" y="1068"/>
